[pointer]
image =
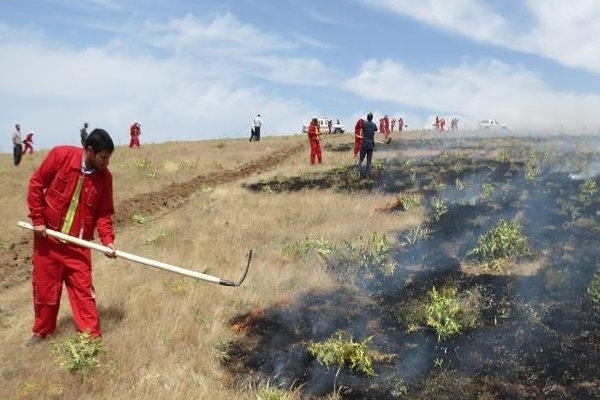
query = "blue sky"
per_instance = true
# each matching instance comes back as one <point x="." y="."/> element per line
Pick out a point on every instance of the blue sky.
<point x="195" y="69"/>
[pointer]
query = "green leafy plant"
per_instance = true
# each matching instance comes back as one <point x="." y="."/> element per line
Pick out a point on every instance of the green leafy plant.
<point x="439" y="208"/>
<point x="487" y="190"/>
<point x="80" y="352"/>
<point x="593" y="289"/>
<point x="221" y="350"/>
<point x="532" y="166"/>
<point x="409" y="201"/>
<point x="417" y="234"/>
<point x="138" y="218"/>
<point x="459" y="184"/>
<point x="450" y="313"/>
<point x="587" y="190"/>
<point x="303" y="248"/>
<point x="504" y="156"/>
<point x="504" y="241"/>
<point x="340" y="350"/>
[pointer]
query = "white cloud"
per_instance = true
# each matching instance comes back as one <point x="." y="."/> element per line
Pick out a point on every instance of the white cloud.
<point x="188" y="32"/>
<point x="52" y="90"/>
<point x="486" y="89"/>
<point x="563" y="31"/>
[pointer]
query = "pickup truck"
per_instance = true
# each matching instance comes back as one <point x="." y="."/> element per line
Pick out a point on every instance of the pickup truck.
<point x="491" y="124"/>
<point x="336" y="126"/>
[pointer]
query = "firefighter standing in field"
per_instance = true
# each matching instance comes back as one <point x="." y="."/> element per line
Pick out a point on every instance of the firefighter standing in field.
<point x="367" y="146"/>
<point x="386" y="126"/>
<point x="314" y="135"/>
<point x="135" y="130"/>
<point x="357" y="136"/>
<point x="83" y="133"/>
<point x="28" y="142"/>
<point x="17" y="145"/>
<point x="71" y="192"/>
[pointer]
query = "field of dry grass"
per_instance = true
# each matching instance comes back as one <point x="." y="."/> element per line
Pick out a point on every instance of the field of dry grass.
<point x="160" y="330"/>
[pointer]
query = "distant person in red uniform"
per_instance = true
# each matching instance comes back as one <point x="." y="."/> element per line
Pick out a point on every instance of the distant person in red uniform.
<point x="314" y="136"/>
<point x="135" y="130"/>
<point x="400" y="124"/>
<point x="386" y="126"/>
<point x="28" y="142"/>
<point x="381" y="125"/>
<point x="71" y="192"/>
<point x="442" y="124"/>
<point x="357" y="136"/>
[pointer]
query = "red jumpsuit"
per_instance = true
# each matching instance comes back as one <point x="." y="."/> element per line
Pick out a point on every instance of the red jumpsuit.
<point x="315" y="145"/>
<point x="381" y="126"/>
<point x="134" y="132"/>
<point x="386" y="126"/>
<point x="28" y="142"/>
<point x="50" y="191"/>
<point x="357" y="136"/>
<point x="442" y="124"/>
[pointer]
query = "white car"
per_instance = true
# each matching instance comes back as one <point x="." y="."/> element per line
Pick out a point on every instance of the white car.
<point x="491" y="124"/>
<point x="336" y="126"/>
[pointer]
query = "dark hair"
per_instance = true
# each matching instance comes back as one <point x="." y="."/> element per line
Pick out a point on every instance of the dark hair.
<point x="370" y="116"/>
<point x="99" y="140"/>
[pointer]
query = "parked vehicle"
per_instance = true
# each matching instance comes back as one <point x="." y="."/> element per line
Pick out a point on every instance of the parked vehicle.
<point x="336" y="126"/>
<point x="491" y="124"/>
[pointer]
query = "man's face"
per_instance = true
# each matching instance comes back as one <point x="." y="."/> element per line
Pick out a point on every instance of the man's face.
<point x="98" y="160"/>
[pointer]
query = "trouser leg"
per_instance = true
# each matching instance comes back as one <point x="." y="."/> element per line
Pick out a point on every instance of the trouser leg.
<point x="47" y="287"/>
<point x="78" y="280"/>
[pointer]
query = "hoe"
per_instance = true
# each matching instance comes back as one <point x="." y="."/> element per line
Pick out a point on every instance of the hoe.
<point x="142" y="260"/>
<point x="387" y="141"/>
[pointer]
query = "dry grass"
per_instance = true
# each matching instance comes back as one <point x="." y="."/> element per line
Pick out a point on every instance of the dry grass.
<point x="160" y="329"/>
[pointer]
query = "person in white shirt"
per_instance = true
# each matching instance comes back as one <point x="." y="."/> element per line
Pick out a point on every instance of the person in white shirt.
<point x="255" y="131"/>
<point x="17" y="144"/>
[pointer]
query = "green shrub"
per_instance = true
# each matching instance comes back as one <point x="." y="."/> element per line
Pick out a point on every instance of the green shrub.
<point x="303" y="248"/>
<point x="340" y="350"/>
<point x="81" y="352"/>
<point x="587" y="190"/>
<point x="138" y="218"/>
<point x="593" y="289"/>
<point x="439" y="208"/>
<point x="487" y="190"/>
<point x="450" y="313"/>
<point x="504" y="241"/>
<point x="416" y="234"/>
<point x="221" y="350"/>
<point x="504" y="156"/>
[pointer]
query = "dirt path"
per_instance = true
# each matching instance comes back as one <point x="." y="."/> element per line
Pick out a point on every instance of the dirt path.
<point x="16" y="260"/>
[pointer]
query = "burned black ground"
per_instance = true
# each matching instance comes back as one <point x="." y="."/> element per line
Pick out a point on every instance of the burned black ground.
<point x="539" y="332"/>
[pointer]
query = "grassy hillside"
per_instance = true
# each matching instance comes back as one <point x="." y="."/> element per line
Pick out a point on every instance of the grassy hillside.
<point x="464" y="268"/>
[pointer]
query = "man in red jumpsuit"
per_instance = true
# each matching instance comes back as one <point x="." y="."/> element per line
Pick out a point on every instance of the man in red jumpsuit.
<point x="71" y="192"/>
<point x="381" y="125"/>
<point x="314" y="133"/>
<point x="135" y="131"/>
<point x="28" y="142"/>
<point x="357" y="136"/>
<point x="386" y="126"/>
